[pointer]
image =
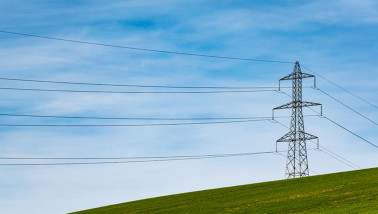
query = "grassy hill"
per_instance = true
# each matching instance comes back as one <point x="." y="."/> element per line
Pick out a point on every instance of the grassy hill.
<point x="345" y="192"/>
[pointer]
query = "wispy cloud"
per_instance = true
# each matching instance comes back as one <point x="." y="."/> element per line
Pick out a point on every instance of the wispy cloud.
<point x="335" y="38"/>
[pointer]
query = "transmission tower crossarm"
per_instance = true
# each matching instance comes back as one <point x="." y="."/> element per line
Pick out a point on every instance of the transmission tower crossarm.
<point x="303" y="136"/>
<point x="285" y="138"/>
<point x="294" y="76"/>
<point x="295" y="104"/>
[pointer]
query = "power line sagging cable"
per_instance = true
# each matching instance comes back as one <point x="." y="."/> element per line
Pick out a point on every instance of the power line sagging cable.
<point x="132" y="157"/>
<point x="136" y="92"/>
<point x="345" y="105"/>
<point x="151" y="159"/>
<point x="141" y="118"/>
<point x="340" y="158"/>
<point x="135" y="85"/>
<point x="225" y="89"/>
<point x="131" y="125"/>
<point x="180" y="53"/>
<point x="350" y="131"/>
<point x="329" y="81"/>
<point x="143" y="49"/>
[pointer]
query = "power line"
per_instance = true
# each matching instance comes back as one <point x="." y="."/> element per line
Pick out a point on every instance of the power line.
<point x="180" y="53"/>
<point x="349" y="131"/>
<point x="132" y="118"/>
<point x="134" y="92"/>
<point x="128" y="158"/>
<point x="134" y="85"/>
<point x="338" y="159"/>
<point x="355" y="111"/>
<point x="327" y="150"/>
<point x="140" y="118"/>
<point x="131" y="125"/>
<point x="134" y="161"/>
<point x="364" y="100"/>
<point x="143" y="49"/>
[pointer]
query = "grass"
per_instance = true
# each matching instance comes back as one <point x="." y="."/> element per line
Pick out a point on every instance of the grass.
<point x="345" y="192"/>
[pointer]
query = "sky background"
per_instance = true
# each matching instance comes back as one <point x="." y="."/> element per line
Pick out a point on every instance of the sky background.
<point x="337" y="39"/>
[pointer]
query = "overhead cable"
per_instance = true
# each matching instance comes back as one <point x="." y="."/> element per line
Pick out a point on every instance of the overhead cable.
<point x="140" y="118"/>
<point x="132" y="157"/>
<point x="131" y="125"/>
<point x="367" y="141"/>
<point x="136" y="92"/>
<point x="325" y="150"/>
<point x="134" y="85"/>
<point x="350" y="108"/>
<point x="134" y="161"/>
<point x="143" y="49"/>
<point x="360" y="98"/>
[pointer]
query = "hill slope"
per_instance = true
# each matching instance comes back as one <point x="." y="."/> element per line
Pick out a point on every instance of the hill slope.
<point x="345" y="192"/>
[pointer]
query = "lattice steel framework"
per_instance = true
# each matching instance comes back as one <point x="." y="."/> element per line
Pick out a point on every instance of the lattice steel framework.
<point x="296" y="163"/>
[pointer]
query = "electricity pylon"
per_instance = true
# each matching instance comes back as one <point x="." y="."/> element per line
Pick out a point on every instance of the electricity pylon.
<point x="296" y="163"/>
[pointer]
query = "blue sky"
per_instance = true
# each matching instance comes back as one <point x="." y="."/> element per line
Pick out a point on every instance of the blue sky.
<point x="337" y="39"/>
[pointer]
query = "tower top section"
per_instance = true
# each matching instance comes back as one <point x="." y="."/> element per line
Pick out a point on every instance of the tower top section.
<point x="296" y="74"/>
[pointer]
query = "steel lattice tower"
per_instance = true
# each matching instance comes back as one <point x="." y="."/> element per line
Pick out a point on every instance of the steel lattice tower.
<point x="296" y="163"/>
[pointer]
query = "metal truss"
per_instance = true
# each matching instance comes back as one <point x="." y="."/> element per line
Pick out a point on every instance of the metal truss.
<point x="297" y="163"/>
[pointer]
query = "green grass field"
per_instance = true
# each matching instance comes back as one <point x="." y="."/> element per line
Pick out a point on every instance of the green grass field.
<point x="345" y="192"/>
